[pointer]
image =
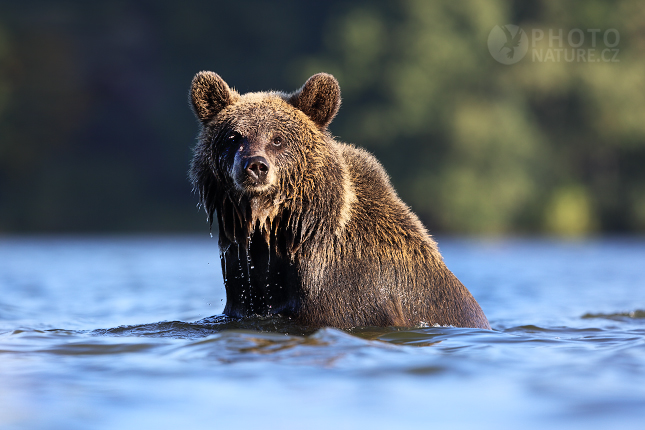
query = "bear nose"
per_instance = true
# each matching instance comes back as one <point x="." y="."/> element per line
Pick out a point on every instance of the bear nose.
<point x="257" y="168"/>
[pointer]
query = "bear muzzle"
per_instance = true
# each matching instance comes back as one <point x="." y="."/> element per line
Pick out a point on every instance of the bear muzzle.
<point x="252" y="174"/>
<point x="256" y="169"/>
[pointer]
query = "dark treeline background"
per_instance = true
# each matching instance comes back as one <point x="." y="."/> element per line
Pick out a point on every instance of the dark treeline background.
<point x="96" y="133"/>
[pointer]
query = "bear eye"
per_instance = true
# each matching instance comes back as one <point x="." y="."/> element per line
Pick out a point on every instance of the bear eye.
<point x="277" y="141"/>
<point x="233" y="136"/>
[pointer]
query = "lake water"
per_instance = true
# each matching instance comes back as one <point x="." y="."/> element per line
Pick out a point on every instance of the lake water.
<point x="123" y="333"/>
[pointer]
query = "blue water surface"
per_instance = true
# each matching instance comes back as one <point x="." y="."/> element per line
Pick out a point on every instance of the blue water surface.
<point x="124" y="333"/>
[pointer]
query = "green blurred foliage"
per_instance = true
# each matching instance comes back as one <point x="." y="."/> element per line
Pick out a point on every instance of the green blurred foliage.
<point x="95" y="132"/>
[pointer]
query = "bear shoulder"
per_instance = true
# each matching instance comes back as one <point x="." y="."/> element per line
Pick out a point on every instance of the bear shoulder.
<point x="377" y="204"/>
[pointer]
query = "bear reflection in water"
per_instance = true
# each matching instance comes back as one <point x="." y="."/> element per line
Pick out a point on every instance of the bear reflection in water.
<point x="309" y="227"/>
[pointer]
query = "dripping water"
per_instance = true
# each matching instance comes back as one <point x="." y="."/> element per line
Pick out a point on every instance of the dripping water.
<point x="240" y="272"/>
<point x="249" y="266"/>
<point x="266" y="277"/>
<point x="222" y="256"/>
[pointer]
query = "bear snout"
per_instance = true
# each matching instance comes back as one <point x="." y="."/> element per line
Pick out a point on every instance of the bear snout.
<point x="252" y="174"/>
<point x="256" y="169"/>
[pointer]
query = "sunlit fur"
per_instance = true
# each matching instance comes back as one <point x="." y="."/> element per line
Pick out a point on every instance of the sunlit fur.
<point x="326" y="239"/>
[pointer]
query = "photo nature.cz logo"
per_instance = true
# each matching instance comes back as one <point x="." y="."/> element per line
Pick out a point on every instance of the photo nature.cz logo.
<point x="508" y="44"/>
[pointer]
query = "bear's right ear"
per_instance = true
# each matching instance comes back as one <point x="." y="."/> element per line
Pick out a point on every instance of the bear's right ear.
<point x="319" y="98"/>
<point x="209" y="94"/>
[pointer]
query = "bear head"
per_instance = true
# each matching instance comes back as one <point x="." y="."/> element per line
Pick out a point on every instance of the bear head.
<point x="259" y="150"/>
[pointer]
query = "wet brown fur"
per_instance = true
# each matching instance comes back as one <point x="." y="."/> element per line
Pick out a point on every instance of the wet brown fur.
<point x="327" y="241"/>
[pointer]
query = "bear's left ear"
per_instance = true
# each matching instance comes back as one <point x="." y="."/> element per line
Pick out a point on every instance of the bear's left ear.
<point x="319" y="98"/>
<point x="209" y="94"/>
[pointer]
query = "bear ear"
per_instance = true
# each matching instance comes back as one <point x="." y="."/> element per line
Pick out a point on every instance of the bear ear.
<point x="319" y="98"/>
<point x="209" y="94"/>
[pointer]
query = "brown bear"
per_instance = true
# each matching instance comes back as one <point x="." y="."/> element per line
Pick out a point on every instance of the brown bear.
<point x="311" y="228"/>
